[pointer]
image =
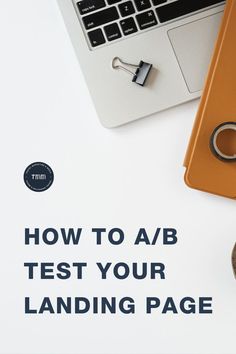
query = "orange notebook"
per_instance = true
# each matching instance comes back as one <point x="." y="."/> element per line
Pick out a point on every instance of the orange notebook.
<point x="204" y="171"/>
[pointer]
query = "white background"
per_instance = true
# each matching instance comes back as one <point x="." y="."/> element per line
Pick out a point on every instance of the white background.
<point x="130" y="177"/>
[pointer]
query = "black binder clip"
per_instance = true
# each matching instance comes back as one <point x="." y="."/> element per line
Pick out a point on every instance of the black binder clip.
<point x="141" y="73"/>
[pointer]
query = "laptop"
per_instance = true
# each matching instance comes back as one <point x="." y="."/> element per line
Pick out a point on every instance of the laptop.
<point x="173" y="39"/>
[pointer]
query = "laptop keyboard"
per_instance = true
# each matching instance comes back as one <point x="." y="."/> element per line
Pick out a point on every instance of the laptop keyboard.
<point x="106" y="21"/>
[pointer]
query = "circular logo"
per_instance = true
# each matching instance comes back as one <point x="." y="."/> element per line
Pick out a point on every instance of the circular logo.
<point x="38" y="177"/>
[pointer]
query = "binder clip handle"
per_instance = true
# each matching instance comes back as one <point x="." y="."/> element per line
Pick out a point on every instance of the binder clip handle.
<point x="216" y="150"/>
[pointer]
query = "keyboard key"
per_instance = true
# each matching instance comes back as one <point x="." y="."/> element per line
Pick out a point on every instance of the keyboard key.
<point x="111" y="2"/>
<point x="158" y="2"/>
<point x="142" y="4"/>
<point x="128" y="26"/>
<point x="100" y="18"/>
<point x="126" y="8"/>
<point x="146" y="19"/>
<point x="87" y="6"/>
<point x="182" y="7"/>
<point x="112" y="32"/>
<point x="96" y="37"/>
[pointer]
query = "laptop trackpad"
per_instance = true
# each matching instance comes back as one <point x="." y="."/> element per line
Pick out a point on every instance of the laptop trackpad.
<point x="193" y="45"/>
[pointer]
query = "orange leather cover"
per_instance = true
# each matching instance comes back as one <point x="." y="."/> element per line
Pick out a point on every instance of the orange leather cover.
<point x="218" y="105"/>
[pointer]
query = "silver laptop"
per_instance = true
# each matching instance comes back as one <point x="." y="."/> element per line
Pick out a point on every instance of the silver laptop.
<point x="142" y="56"/>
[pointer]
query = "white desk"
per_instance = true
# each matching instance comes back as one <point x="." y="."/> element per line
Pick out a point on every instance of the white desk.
<point x="130" y="177"/>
